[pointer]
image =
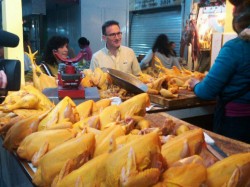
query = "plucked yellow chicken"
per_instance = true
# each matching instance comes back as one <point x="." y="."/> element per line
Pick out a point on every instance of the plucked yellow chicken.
<point x="27" y="101"/>
<point x="138" y="163"/>
<point x="121" y="141"/>
<point x="75" y="151"/>
<point x="105" y="138"/>
<point x="184" y="145"/>
<point x="89" y="108"/>
<point x="19" y="131"/>
<point x="167" y="93"/>
<point x="231" y="171"/>
<point x="92" y="122"/>
<point x="85" y="109"/>
<point x="108" y="115"/>
<point x="13" y="96"/>
<point x="145" y="78"/>
<point x="43" y="141"/>
<point x="156" y="84"/>
<point x="135" y="106"/>
<point x="86" y="82"/>
<point x="28" y="97"/>
<point x="100" y="79"/>
<point x="63" y="115"/>
<point x="8" y="121"/>
<point x="179" y="174"/>
<point x="44" y="102"/>
<point x="100" y="105"/>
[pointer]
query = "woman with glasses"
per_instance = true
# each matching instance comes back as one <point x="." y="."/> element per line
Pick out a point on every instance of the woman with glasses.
<point x="114" y="55"/>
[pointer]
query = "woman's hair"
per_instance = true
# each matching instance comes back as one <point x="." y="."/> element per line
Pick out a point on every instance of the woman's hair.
<point x="54" y="43"/>
<point x="83" y="42"/>
<point x="162" y="45"/>
<point x="241" y="14"/>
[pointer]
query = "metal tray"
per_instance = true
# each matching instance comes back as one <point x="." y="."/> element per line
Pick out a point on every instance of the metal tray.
<point x="126" y="81"/>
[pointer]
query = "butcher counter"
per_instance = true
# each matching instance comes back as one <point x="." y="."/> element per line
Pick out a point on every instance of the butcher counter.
<point x="16" y="172"/>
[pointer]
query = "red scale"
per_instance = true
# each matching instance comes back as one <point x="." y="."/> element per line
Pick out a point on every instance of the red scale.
<point x="69" y="77"/>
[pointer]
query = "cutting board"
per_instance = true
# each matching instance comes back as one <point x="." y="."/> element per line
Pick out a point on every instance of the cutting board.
<point x="185" y="99"/>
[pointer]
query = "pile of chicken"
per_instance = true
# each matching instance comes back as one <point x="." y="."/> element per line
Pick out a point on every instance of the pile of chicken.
<point x="160" y="81"/>
<point x="167" y="82"/>
<point x="100" y="144"/>
<point x="103" y="82"/>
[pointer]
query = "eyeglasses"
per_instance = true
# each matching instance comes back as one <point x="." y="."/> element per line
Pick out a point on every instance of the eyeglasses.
<point x="113" y="35"/>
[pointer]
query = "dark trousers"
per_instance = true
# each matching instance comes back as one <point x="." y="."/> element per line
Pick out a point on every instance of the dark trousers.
<point x="236" y="128"/>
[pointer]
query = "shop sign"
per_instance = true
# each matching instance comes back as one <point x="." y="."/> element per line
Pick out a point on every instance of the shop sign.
<point x="149" y="4"/>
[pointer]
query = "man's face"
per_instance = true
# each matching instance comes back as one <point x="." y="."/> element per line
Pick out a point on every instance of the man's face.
<point x="113" y="37"/>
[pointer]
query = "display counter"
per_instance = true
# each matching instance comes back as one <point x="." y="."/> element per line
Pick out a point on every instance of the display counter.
<point x="17" y="172"/>
<point x="227" y="145"/>
<point x="91" y="93"/>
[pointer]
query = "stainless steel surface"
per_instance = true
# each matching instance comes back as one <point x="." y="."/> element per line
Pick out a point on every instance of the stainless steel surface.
<point x="91" y="93"/>
<point x="127" y="81"/>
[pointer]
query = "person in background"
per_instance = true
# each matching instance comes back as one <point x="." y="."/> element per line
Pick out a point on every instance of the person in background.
<point x="84" y="45"/>
<point x="172" y="48"/>
<point x="114" y="55"/>
<point x="229" y="79"/>
<point x="60" y="44"/>
<point x="181" y="60"/>
<point x="161" y="49"/>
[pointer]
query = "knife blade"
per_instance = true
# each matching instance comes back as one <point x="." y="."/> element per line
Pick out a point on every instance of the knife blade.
<point x="213" y="148"/>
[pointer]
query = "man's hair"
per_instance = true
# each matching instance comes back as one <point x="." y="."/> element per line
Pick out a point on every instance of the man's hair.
<point x="107" y="24"/>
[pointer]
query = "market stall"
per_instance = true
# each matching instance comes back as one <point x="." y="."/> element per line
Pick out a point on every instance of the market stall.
<point x="49" y="140"/>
